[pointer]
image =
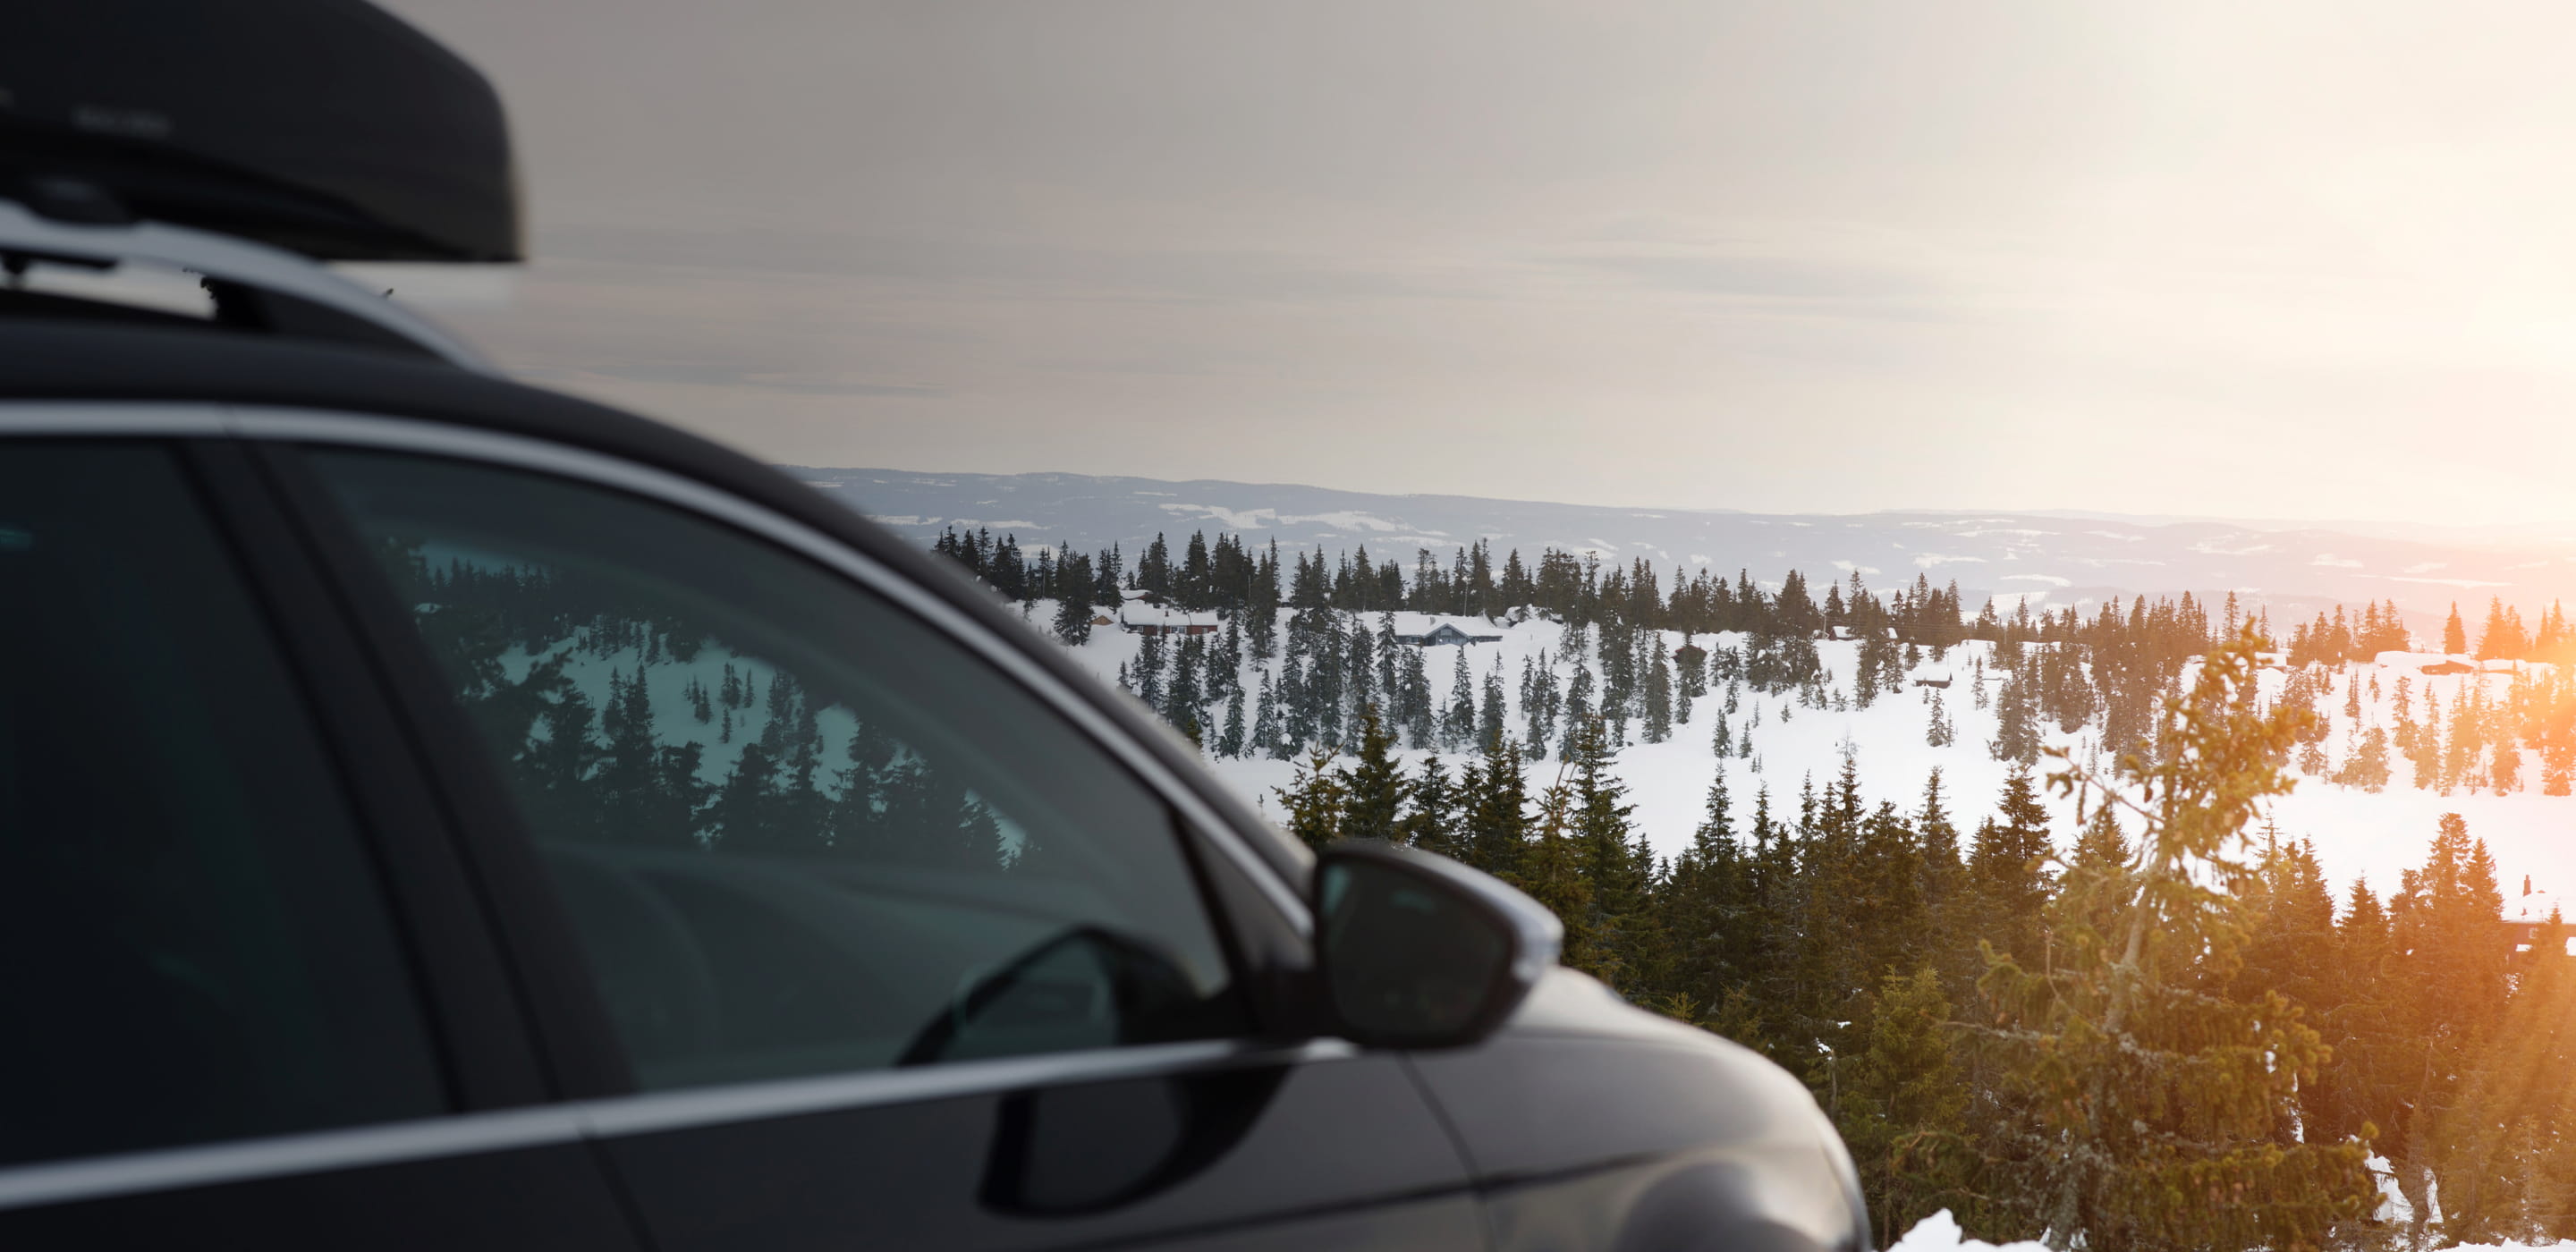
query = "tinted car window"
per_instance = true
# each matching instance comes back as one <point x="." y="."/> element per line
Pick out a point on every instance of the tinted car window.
<point x="193" y="942"/>
<point x="798" y="830"/>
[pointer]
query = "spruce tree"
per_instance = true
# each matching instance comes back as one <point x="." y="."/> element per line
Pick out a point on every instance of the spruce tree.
<point x="1421" y="719"/>
<point x="2008" y="866"/>
<point x="1230" y="741"/>
<point x="1578" y="706"/>
<point x="1659" y="694"/>
<point x="1497" y="817"/>
<point x="1943" y="871"/>
<point x="1901" y="1105"/>
<point x="1297" y="719"/>
<point x="1265" y="722"/>
<point x="1490" y="728"/>
<point x="1549" y="866"/>
<point x="1432" y="820"/>
<point x="2505" y="1148"/>
<point x="2166" y="1101"/>
<point x="1458" y="721"/>
<point x="1374" y="788"/>
<point x="1539" y="699"/>
<point x="1315" y="801"/>
<point x="2016" y="734"/>
<point x="1615" y="865"/>
<point x="1706" y="907"/>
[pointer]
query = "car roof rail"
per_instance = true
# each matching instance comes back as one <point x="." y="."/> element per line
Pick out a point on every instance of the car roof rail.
<point x="253" y="287"/>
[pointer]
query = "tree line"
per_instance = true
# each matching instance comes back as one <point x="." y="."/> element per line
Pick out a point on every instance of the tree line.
<point x="2157" y="1030"/>
<point x="2105" y="672"/>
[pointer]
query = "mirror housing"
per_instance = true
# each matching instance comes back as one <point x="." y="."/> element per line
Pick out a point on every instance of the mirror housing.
<point x="1414" y="950"/>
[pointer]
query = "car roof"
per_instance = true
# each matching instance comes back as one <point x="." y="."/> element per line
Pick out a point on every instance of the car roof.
<point x="77" y="362"/>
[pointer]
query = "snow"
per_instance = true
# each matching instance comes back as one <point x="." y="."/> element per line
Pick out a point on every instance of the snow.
<point x="2358" y="835"/>
<point x="1940" y="1233"/>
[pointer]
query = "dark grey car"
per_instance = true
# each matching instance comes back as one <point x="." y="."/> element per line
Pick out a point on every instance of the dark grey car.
<point x="436" y="812"/>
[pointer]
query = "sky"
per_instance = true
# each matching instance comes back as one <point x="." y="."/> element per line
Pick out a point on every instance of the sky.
<point x="2279" y="260"/>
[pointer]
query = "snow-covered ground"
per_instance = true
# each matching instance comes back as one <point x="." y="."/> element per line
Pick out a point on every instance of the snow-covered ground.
<point x="2371" y="836"/>
<point x="1940" y="1233"/>
<point x="2357" y="834"/>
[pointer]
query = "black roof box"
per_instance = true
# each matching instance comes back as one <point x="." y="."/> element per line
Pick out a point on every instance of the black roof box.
<point x="325" y="127"/>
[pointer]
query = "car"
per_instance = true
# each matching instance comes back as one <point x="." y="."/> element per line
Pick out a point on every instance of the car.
<point x="438" y="812"/>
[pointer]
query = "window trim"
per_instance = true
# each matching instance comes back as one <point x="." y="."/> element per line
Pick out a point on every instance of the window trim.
<point x="629" y="1114"/>
<point x="621" y="1117"/>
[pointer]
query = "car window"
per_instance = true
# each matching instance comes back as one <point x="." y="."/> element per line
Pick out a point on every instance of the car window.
<point x="798" y="830"/>
<point x="193" y="941"/>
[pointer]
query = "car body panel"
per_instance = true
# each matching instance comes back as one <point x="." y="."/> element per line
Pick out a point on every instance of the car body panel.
<point x="1263" y="1143"/>
<point x="1587" y="1117"/>
<point x="548" y="1198"/>
<point x="1585" y="1122"/>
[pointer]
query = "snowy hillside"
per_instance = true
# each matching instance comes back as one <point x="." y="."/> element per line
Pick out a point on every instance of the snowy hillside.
<point x="1779" y="741"/>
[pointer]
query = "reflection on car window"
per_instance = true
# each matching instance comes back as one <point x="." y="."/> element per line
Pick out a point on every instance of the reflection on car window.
<point x="797" y="830"/>
<point x="193" y="943"/>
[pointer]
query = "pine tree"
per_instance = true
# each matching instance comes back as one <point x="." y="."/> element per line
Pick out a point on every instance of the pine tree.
<point x="1230" y="741"/>
<point x="1432" y="820"/>
<point x="1297" y="717"/>
<point x="1944" y="873"/>
<point x="1374" y="787"/>
<point x="2008" y="866"/>
<point x="2016" y="737"/>
<point x="1539" y="699"/>
<point x="1578" y="705"/>
<point x="2166" y="1101"/>
<point x="2455" y="636"/>
<point x="1458" y="722"/>
<point x="1181" y="704"/>
<point x="1490" y="729"/>
<point x="1659" y="694"/>
<point x="1706" y="907"/>
<point x="1265" y="722"/>
<point x="1902" y="1105"/>
<point x="1615" y="866"/>
<point x="1497" y="817"/>
<point x="1315" y="801"/>
<point x="1073" y="600"/>
<point x="1548" y="865"/>
<point x="2454" y="983"/>
<point x="2505" y="1148"/>
<point x="1421" y="719"/>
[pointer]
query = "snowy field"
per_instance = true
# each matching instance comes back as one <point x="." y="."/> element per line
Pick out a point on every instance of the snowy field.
<point x="2357" y="834"/>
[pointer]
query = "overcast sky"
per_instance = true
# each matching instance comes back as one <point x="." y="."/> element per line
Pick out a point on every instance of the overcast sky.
<point x="2273" y="260"/>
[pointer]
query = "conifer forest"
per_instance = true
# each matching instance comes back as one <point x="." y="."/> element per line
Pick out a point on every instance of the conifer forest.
<point x="2108" y="1003"/>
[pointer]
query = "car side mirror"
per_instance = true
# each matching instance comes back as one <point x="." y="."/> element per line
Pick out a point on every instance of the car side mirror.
<point x="1417" y="951"/>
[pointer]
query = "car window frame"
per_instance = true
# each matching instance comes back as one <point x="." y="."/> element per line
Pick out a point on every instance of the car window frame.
<point x="1202" y="835"/>
<point x="470" y="1024"/>
<point x="254" y="488"/>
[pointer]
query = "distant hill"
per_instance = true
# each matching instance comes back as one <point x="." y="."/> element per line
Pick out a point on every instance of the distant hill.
<point x="2052" y="558"/>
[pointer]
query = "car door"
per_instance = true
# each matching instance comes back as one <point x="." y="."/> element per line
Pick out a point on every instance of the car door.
<point x="248" y="1000"/>
<point x="892" y="946"/>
